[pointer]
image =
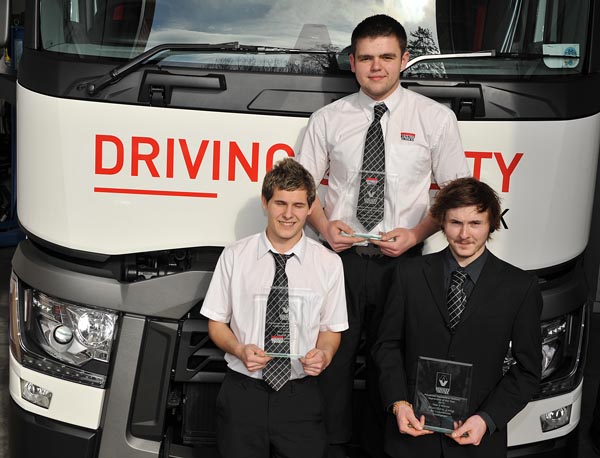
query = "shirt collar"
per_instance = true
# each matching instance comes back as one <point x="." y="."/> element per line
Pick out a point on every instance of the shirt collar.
<point x="392" y="101"/>
<point x="298" y="250"/>
<point x="473" y="269"/>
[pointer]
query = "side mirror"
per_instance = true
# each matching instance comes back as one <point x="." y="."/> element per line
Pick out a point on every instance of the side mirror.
<point x="4" y="22"/>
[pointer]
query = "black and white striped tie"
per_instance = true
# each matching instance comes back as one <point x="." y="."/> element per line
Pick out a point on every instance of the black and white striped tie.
<point x="277" y="326"/>
<point x="370" y="204"/>
<point x="457" y="298"/>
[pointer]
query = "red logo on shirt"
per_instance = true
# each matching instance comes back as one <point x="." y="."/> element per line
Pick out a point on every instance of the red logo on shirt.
<point x="407" y="136"/>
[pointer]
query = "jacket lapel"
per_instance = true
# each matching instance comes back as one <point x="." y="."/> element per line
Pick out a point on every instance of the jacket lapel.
<point x="434" y="276"/>
<point x="488" y="281"/>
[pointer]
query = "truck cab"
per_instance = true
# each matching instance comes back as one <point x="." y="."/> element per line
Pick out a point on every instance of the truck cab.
<point x="144" y="128"/>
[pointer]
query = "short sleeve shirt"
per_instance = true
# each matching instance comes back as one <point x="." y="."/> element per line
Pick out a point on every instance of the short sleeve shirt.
<point x="240" y="286"/>
<point x="422" y="145"/>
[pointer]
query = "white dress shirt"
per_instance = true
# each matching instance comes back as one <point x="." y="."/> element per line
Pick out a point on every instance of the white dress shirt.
<point x="422" y="145"/>
<point x="240" y="286"/>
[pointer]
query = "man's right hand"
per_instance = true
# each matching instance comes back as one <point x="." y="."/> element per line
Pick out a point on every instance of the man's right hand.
<point x="335" y="239"/>
<point x="408" y="423"/>
<point x="253" y="357"/>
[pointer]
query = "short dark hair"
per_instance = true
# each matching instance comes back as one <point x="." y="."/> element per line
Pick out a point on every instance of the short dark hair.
<point x="289" y="175"/>
<point x="380" y="25"/>
<point x="465" y="192"/>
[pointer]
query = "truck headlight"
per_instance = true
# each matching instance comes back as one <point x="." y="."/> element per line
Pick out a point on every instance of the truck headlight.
<point x="563" y="347"/>
<point x="71" y="333"/>
<point x="60" y="338"/>
<point x="562" y="353"/>
<point x="553" y="344"/>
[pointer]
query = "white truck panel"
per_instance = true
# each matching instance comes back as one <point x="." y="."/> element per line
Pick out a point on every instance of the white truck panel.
<point x="125" y="179"/>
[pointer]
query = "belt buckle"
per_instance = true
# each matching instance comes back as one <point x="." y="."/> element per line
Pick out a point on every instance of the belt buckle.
<point x="368" y="250"/>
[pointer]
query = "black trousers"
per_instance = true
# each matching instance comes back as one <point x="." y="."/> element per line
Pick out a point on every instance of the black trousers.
<point x="254" y="421"/>
<point x="367" y="283"/>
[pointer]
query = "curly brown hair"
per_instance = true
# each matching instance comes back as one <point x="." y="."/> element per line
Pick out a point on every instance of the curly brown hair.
<point x="466" y="192"/>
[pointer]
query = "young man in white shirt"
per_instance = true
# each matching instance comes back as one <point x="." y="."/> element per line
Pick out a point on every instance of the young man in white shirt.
<point x="256" y="416"/>
<point x="422" y="144"/>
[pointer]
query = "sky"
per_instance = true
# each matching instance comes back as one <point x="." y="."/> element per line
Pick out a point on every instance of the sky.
<point x="277" y="22"/>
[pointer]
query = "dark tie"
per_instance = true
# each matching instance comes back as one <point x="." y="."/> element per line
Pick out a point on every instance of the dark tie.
<point x="277" y="326"/>
<point x="457" y="298"/>
<point x="369" y="208"/>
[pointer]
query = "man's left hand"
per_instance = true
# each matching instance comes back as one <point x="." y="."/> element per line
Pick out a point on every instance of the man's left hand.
<point x="314" y="362"/>
<point x="396" y="241"/>
<point x="470" y="432"/>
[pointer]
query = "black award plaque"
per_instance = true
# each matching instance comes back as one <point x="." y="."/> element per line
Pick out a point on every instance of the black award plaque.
<point x="442" y="393"/>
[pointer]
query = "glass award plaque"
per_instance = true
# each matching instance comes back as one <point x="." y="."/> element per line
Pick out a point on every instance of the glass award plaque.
<point x="284" y="355"/>
<point x="285" y="333"/>
<point x="370" y="203"/>
<point x="442" y="393"/>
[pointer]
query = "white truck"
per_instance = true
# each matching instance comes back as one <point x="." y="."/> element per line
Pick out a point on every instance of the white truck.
<point x="144" y="128"/>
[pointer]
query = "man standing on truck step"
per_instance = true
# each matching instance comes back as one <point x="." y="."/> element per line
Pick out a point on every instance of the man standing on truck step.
<point x="276" y="306"/>
<point x="383" y="146"/>
<point x="463" y="309"/>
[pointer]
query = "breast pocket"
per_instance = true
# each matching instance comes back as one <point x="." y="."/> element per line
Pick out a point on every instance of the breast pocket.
<point x="409" y="160"/>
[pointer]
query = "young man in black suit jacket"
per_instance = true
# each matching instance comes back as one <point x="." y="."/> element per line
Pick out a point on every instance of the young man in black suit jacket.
<point x="501" y="310"/>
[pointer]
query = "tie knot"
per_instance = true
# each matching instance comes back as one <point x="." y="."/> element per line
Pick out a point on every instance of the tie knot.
<point x="458" y="277"/>
<point x="280" y="259"/>
<point x="379" y="110"/>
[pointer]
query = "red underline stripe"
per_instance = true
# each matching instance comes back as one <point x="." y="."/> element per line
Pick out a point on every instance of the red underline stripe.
<point x="158" y="192"/>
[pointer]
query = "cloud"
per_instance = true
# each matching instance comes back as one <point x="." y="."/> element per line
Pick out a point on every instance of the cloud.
<point x="277" y="23"/>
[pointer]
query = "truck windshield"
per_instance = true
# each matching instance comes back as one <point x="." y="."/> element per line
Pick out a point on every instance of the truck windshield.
<point x="525" y="37"/>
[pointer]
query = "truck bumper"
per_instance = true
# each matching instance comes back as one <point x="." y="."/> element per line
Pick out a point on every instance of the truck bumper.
<point x="562" y="447"/>
<point x="31" y="435"/>
<point x="525" y="435"/>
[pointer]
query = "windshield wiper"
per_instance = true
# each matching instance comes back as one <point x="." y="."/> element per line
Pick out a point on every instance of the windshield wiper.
<point x="93" y="87"/>
<point x="468" y="55"/>
<point x="491" y="53"/>
<point x="535" y="55"/>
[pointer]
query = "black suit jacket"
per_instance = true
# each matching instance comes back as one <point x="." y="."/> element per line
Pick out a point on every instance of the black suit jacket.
<point x="504" y="306"/>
